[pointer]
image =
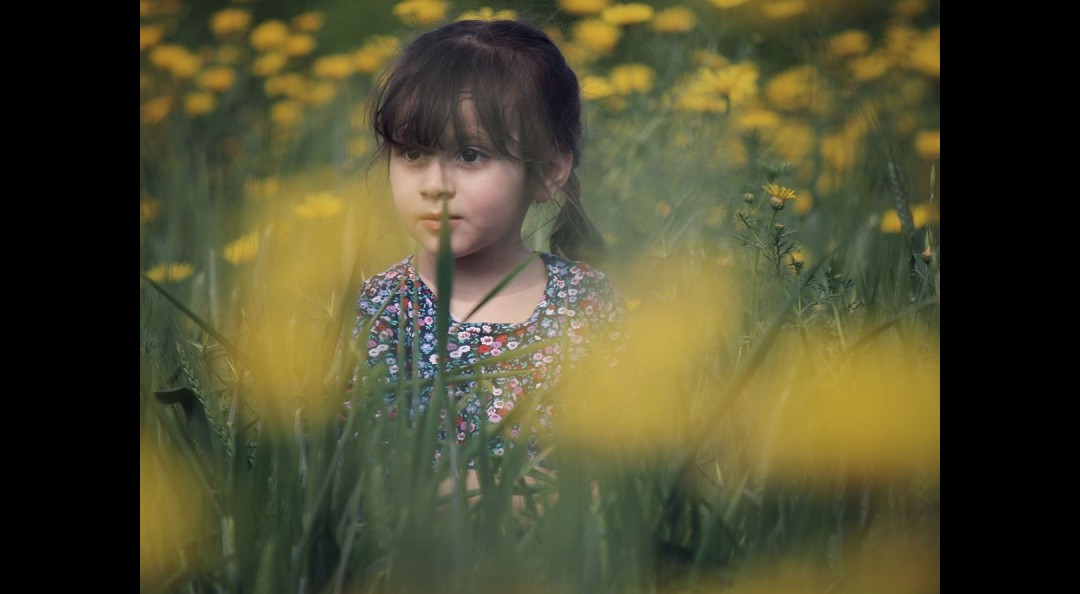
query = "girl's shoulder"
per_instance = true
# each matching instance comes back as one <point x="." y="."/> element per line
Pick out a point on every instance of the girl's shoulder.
<point x="375" y="291"/>
<point x="577" y="273"/>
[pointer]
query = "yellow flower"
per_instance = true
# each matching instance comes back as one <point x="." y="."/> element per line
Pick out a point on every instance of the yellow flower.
<point x="805" y="202"/>
<point x="596" y="35"/>
<point x="793" y="89"/>
<point x="871" y="67"/>
<point x="289" y="85"/>
<point x="677" y="19"/>
<point x="375" y="52"/>
<point x="144" y="8"/>
<point x="928" y="143"/>
<point x="176" y="60"/>
<point x="756" y="119"/>
<point x="150" y="35"/>
<point x="259" y="189"/>
<point x="838" y="151"/>
<point x="299" y="45"/>
<point x="627" y="14"/>
<point x="783" y="9"/>
<point x="631" y="78"/>
<point x="286" y="113"/>
<point x="705" y="103"/>
<point x="421" y="12"/>
<point x="779" y="192"/>
<point x="848" y="43"/>
<point x="735" y="83"/>
<point x="910" y="8"/>
<point x="596" y="87"/>
<point x="727" y="3"/>
<point x="148" y="209"/>
<point x="243" y="249"/>
<point x="269" y="64"/>
<point x="793" y="140"/>
<point x="320" y="93"/>
<point x="708" y="59"/>
<point x="230" y="20"/>
<point x="217" y="79"/>
<point x="926" y="53"/>
<point x="337" y="66"/>
<point x="268" y="35"/>
<point x="199" y="103"/>
<point x="583" y="7"/>
<point x="170" y="272"/>
<point x="321" y="205"/>
<point x="487" y="14"/>
<point x="921" y="214"/>
<point x="308" y="22"/>
<point x="156" y="109"/>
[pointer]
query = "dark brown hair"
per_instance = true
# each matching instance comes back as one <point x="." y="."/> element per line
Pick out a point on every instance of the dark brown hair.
<point x="527" y="101"/>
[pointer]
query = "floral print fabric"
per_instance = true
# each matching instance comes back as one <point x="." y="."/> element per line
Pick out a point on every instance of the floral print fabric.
<point x="580" y="311"/>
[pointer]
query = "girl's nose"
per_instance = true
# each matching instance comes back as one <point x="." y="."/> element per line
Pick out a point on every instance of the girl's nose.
<point x="437" y="181"/>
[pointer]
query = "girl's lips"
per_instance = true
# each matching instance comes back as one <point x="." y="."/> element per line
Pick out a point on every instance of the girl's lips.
<point x="436" y="224"/>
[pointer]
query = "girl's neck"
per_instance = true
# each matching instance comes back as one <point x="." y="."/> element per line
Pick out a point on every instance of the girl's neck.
<point x="475" y="277"/>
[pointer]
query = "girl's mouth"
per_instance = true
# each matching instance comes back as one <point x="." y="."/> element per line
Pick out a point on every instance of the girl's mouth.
<point x="435" y="223"/>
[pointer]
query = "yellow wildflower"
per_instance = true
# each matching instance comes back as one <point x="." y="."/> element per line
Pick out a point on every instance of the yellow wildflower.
<point x="727" y="3"/>
<point x="596" y="35"/>
<point x="421" y="12"/>
<point x="337" y="66"/>
<point x="269" y="35"/>
<point x="176" y="60"/>
<point x="144" y="8"/>
<point x="199" y="103"/>
<point x="921" y="214"/>
<point x="286" y="113"/>
<point x="926" y="53"/>
<point x="735" y="83"/>
<point x="627" y="14"/>
<point x="148" y="209"/>
<point x="288" y="85"/>
<point x="487" y="14"/>
<point x="910" y="8"/>
<point x="928" y="143"/>
<point x="898" y="43"/>
<point x="595" y="87"/>
<point x="805" y="202"/>
<point x="871" y="67"/>
<point x="376" y="50"/>
<point x="709" y="59"/>
<point x="756" y="119"/>
<point x="170" y="272"/>
<point x="783" y="9"/>
<point x="793" y="140"/>
<point x="150" y="35"/>
<point x="229" y="20"/>
<point x="779" y="192"/>
<point x="308" y="22"/>
<point x="299" y="45"/>
<point x="320" y="205"/>
<point x="583" y="7"/>
<point x="320" y="93"/>
<point x="631" y="78"/>
<point x="243" y="249"/>
<point x="848" y="43"/>
<point x="269" y="64"/>
<point x="217" y="79"/>
<point x="838" y="151"/>
<point x="701" y="102"/>
<point x="677" y="19"/>
<point x="155" y="110"/>
<point x="793" y="89"/>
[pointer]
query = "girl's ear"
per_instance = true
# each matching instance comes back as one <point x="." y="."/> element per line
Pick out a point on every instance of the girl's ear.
<point x="557" y="173"/>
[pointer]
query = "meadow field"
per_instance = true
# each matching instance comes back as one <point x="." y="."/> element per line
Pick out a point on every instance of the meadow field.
<point x="766" y="174"/>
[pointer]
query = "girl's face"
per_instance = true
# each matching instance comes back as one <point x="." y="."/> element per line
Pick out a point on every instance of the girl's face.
<point x="486" y="195"/>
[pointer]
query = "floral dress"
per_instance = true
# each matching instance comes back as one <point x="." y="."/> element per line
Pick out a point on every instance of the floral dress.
<point x="580" y="311"/>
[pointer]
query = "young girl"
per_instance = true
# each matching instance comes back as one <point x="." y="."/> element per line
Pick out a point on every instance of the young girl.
<point x="484" y="119"/>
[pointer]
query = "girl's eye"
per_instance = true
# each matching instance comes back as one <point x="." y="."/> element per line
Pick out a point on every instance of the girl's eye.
<point x="471" y="155"/>
<point x="411" y="154"/>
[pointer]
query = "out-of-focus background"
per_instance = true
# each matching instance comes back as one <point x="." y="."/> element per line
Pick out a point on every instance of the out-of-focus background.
<point x="766" y="174"/>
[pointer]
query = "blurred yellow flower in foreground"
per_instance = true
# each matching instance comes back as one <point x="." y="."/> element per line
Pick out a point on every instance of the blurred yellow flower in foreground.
<point x="793" y="89"/>
<point x="487" y="14"/>
<point x="848" y="43"/>
<point x="727" y="3"/>
<point x="631" y="78"/>
<point x="148" y="209"/>
<point x="199" y="103"/>
<point x="320" y="93"/>
<point x="714" y="90"/>
<point x="156" y="109"/>
<point x="676" y="19"/>
<point x="910" y="8"/>
<point x="838" y="151"/>
<point x="229" y="20"/>
<point x="596" y="35"/>
<point x="596" y="87"/>
<point x="308" y="22"/>
<point x="756" y="119"/>
<point x="337" y="67"/>
<point x="321" y="205"/>
<point x="243" y="249"/>
<point x="804" y="203"/>
<point x="172" y="516"/>
<point x="269" y="64"/>
<point x="290" y="85"/>
<point x="261" y="189"/>
<point x="627" y="14"/>
<point x="217" y="79"/>
<point x="299" y="45"/>
<point x="869" y="67"/>
<point x="583" y="7"/>
<point x="783" y="9"/>
<point x="921" y="214"/>
<point x="375" y="51"/>
<point x="926" y="53"/>
<point x="269" y="35"/>
<point x="176" y="60"/>
<point x="421" y="12"/>
<point x="150" y="35"/>
<point x="172" y="272"/>
<point x="709" y="59"/>
<point x="928" y="143"/>
<point x="286" y="113"/>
